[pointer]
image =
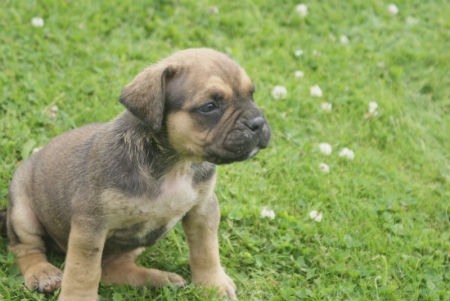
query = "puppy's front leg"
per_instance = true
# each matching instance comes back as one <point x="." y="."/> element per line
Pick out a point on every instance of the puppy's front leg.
<point x="201" y="225"/>
<point x="82" y="269"/>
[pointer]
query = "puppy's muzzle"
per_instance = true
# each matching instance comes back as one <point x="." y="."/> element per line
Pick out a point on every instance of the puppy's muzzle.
<point x="260" y="129"/>
<point x="245" y="140"/>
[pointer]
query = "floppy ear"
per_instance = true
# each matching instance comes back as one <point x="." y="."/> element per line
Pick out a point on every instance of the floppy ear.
<point x="145" y="96"/>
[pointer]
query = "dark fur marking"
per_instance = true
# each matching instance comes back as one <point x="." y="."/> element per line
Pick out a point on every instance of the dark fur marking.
<point x="126" y="240"/>
<point x="202" y="172"/>
<point x="210" y="121"/>
<point x="141" y="157"/>
<point x="175" y="96"/>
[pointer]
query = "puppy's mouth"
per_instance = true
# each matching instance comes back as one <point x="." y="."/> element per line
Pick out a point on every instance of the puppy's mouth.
<point x="230" y="157"/>
<point x="234" y="150"/>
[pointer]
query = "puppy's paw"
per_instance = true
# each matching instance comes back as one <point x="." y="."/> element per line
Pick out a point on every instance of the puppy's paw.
<point x="43" y="277"/>
<point x="219" y="280"/>
<point x="161" y="278"/>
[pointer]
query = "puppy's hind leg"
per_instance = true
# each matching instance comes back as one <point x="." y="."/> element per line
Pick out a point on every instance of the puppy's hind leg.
<point x="122" y="269"/>
<point x="26" y="242"/>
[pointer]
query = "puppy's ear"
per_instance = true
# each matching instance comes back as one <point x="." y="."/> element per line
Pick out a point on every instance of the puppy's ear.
<point x="145" y="95"/>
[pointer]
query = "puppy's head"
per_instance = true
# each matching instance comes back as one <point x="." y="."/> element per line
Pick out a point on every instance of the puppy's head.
<point x="202" y="101"/>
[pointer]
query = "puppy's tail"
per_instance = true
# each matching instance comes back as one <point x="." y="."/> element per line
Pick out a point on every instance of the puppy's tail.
<point x="3" y="222"/>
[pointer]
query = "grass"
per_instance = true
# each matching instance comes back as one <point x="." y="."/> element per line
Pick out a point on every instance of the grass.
<point x="385" y="232"/>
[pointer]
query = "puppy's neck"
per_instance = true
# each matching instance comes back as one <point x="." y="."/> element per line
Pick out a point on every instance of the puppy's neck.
<point x="143" y="148"/>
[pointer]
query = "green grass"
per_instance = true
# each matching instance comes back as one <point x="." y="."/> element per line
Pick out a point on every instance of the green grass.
<point x="385" y="232"/>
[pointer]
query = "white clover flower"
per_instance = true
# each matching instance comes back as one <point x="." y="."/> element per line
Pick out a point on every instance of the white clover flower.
<point x="302" y="9"/>
<point x="37" y="22"/>
<point x="325" y="148"/>
<point x="315" y="91"/>
<point x="267" y="213"/>
<point x="298" y="52"/>
<point x="347" y="154"/>
<point x="324" y="168"/>
<point x="279" y="92"/>
<point x="213" y="10"/>
<point x="393" y="9"/>
<point x="344" y="39"/>
<point x="299" y="74"/>
<point x="53" y="112"/>
<point x="373" y="106"/>
<point x="316" y="216"/>
<point x="326" y="106"/>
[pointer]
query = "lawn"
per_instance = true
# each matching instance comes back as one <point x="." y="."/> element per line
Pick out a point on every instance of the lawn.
<point x="371" y="223"/>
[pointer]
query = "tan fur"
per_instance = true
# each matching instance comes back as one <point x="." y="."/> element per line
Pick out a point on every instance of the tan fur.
<point x="104" y="191"/>
<point x="201" y="226"/>
<point x="83" y="262"/>
<point x="122" y="269"/>
<point x="184" y="136"/>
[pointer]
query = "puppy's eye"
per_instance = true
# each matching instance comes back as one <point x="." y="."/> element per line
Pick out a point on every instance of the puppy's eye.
<point x="208" y="108"/>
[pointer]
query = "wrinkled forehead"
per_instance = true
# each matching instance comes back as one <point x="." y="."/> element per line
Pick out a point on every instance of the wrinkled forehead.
<point x="229" y="78"/>
<point x="209" y="68"/>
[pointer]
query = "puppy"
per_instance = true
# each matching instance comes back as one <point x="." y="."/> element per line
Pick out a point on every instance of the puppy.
<point x="105" y="191"/>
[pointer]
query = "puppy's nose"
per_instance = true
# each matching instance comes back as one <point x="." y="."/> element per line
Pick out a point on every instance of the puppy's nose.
<point x="256" y="123"/>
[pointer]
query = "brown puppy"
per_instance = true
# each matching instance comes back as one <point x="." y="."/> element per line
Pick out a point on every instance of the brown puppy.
<point x="104" y="191"/>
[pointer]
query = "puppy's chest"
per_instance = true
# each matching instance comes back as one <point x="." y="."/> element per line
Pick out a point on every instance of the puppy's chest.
<point x="140" y="221"/>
